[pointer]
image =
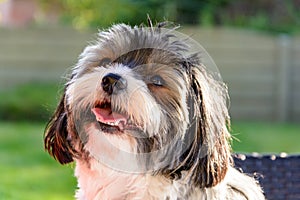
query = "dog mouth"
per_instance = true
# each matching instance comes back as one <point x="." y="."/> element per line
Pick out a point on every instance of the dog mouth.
<point x="111" y="120"/>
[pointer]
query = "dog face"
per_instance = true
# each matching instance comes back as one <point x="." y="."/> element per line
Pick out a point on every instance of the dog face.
<point x="139" y="101"/>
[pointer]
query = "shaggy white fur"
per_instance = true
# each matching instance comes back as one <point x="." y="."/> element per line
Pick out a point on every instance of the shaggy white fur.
<point x="143" y="118"/>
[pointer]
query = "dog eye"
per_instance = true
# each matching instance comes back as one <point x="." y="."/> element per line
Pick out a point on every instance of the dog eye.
<point x="104" y="62"/>
<point x="157" y="80"/>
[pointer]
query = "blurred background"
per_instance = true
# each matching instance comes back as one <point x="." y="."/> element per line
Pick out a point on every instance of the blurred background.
<point x="255" y="44"/>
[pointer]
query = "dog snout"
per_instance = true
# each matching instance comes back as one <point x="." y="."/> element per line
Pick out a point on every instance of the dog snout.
<point x="112" y="83"/>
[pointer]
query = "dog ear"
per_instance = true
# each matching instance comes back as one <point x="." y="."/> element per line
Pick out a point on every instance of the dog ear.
<point x="209" y="155"/>
<point x="56" y="135"/>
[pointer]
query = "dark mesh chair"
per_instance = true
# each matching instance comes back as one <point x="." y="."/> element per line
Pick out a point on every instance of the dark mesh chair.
<point x="279" y="175"/>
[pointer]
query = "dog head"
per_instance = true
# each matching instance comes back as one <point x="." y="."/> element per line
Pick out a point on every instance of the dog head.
<point x="137" y="98"/>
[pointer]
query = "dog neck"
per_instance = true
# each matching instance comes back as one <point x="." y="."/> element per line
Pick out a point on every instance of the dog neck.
<point x="97" y="181"/>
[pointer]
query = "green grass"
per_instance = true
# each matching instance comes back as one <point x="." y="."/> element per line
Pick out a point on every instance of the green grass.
<point x="266" y="137"/>
<point x="28" y="172"/>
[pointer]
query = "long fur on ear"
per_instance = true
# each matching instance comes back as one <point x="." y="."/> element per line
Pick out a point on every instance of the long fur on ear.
<point x="214" y="157"/>
<point x="209" y="156"/>
<point x="56" y="135"/>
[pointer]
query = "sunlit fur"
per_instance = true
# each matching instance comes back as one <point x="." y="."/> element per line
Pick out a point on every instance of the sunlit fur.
<point x="181" y="146"/>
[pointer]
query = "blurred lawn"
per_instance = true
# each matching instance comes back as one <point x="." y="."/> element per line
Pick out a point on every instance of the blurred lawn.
<point x="266" y="137"/>
<point x="28" y="173"/>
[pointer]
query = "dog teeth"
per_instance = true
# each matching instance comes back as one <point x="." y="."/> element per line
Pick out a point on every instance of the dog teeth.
<point x="113" y="123"/>
<point x="120" y="123"/>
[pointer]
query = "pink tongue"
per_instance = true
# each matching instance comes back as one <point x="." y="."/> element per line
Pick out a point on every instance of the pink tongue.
<point x="105" y="115"/>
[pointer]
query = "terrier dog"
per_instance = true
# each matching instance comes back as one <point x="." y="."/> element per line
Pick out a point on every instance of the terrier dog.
<point x="143" y="118"/>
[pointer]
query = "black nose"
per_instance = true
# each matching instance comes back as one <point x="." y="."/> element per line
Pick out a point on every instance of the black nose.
<point x="113" y="83"/>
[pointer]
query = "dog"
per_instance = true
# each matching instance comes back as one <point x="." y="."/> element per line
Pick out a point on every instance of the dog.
<point x="143" y="118"/>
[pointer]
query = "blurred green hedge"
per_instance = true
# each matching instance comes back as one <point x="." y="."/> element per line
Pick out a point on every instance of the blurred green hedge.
<point x="34" y="101"/>
<point x="267" y="15"/>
